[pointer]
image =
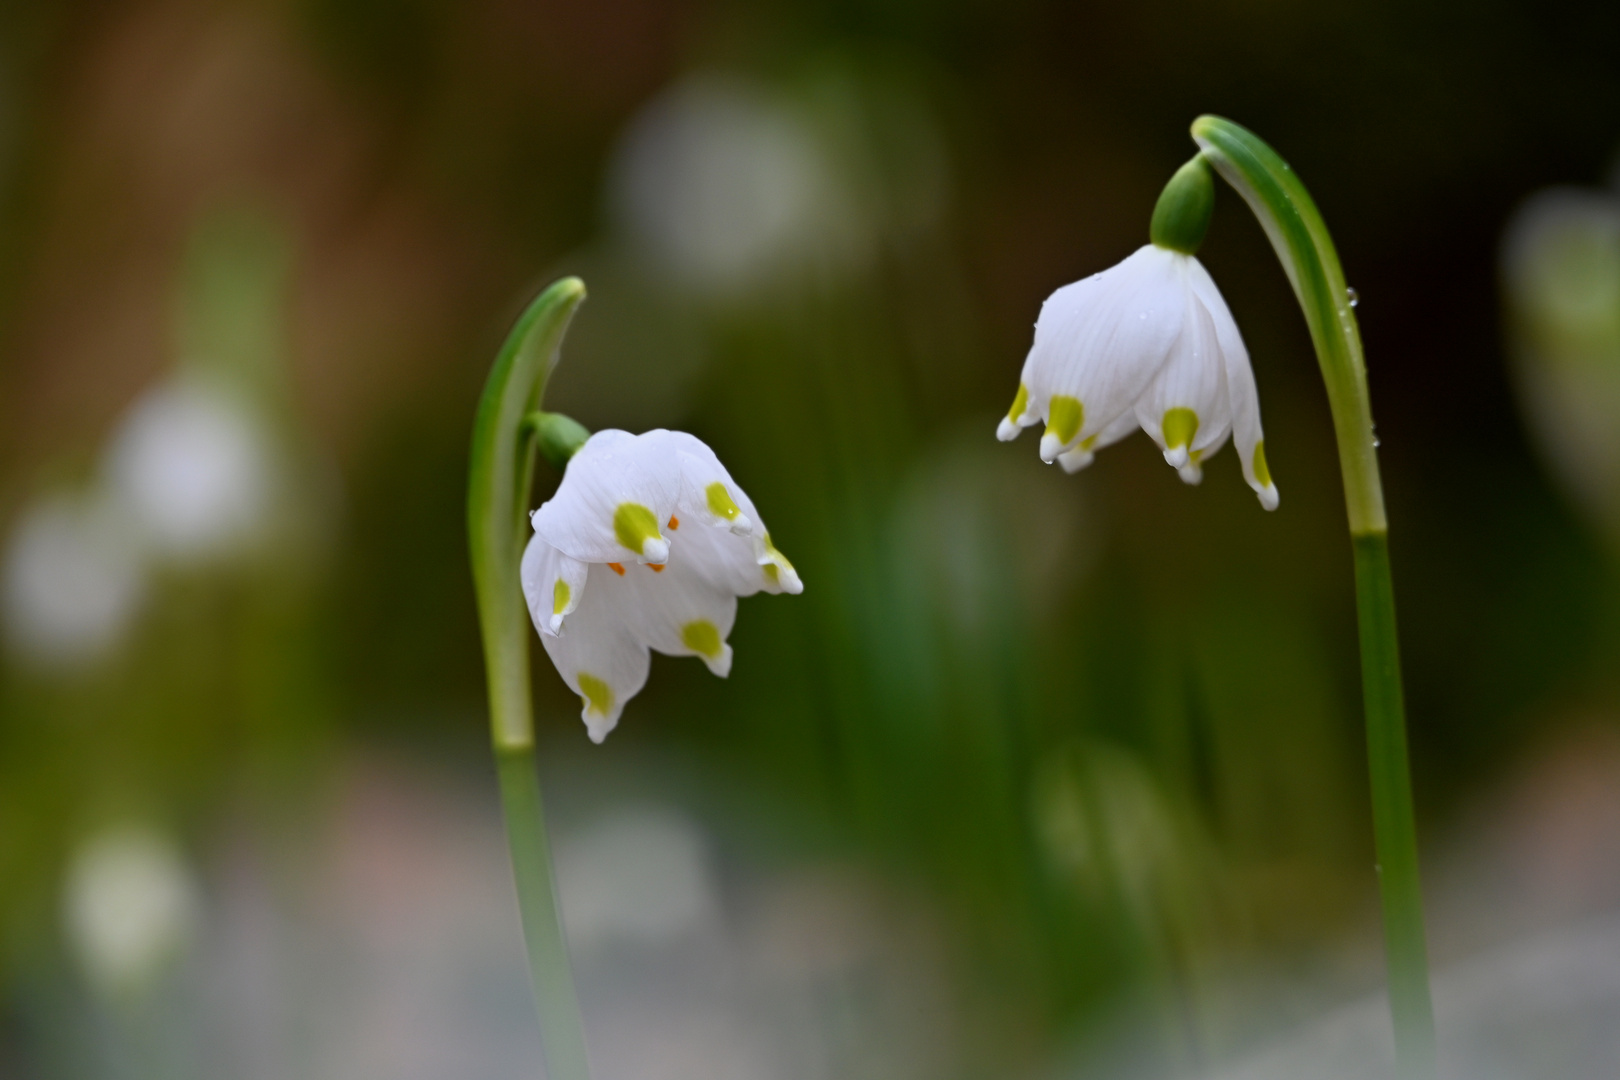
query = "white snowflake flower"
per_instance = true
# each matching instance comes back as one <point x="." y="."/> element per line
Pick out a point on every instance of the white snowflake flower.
<point x="1147" y="343"/>
<point x="646" y="545"/>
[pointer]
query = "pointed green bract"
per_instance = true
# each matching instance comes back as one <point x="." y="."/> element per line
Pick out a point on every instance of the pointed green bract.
<point x="634" y="525"/>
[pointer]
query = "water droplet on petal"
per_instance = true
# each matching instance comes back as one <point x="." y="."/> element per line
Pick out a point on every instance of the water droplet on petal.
<point x="1352" y="296"/>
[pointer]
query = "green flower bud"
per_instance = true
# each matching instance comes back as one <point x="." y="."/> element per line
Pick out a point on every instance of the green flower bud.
<point x="1181" y="218"/>
<point x="558" y="437"/>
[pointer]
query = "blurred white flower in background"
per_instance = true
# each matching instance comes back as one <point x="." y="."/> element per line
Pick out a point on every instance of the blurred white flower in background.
<point x="720" y="181"/>
<point x="639" y="874"/>
<point x="192" y="466"/>
<point x="72" y="581"/>
<point x="130" y="906"/>
<point x="1561" y="273"/>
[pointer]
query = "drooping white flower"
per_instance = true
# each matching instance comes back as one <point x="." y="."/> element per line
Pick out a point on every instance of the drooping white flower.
<point x="1147" y="343"/>
<point x="646" y="545"/>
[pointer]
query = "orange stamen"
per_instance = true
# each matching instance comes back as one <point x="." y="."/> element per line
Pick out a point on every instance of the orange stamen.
<point x="657" y="568"/>
<point x="674" y="522"/>
<point x="616" y="568"/>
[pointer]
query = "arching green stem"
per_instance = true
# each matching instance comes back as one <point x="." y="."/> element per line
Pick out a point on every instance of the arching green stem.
<point x="505" y="439"/>
<point x="1302" y="243"/>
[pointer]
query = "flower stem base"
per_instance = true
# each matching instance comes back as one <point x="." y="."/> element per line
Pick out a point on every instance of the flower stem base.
<point x="561" y="1029"/>
<point x="1394" y="827"/>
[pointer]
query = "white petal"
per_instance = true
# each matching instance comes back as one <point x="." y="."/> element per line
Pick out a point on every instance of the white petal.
<point x="742" y="565"/>
<point x="553" y="584"/>
<point x="677" y="610"/>
<point x="1078" y="457"/>
<point x="745" y="563"/>
<point x="1193" y="378"/>
<point x="1123" y="425"/>
<point x="1102" y="340"/>
<point x="615" y="498"/>
<point x="1075" y="460"/>
<point x="709" y="495"/>
<point x="1244" y="397"/>
<point x="777" y="573"/>
<point x="597" y="654"/>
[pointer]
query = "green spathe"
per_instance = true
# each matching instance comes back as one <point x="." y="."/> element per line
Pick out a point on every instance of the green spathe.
<point x="498" y="477"/>
<point x="1182" y="215"/>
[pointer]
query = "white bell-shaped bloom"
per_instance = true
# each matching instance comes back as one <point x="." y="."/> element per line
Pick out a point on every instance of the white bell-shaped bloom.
<point x="646" y="545"/>
<point x="1148" y="343"/>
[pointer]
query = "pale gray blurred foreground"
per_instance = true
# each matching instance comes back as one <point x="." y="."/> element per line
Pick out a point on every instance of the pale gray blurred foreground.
<point x="390" y="949"/>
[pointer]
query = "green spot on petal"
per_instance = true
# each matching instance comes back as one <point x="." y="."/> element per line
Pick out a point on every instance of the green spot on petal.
<point x="1020" y="403"/>
<point x="595" y="693"/>
<point x="778" y="562"/>
<point x="720" y="502"/>
<point x="1067" y="416"/>
<point x="702" y="638"/>
<point x="559" y="596"/>
<point x="634" y="525"/>
<point x="1262" y="474"/>
<point x="1179" y="427"/>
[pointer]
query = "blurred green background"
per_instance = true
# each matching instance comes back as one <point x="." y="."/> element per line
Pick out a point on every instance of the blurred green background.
<point x="1041" y="775"/>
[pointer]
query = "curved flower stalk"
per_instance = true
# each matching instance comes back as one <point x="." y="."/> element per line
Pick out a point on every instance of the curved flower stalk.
<point x="1147" y="343"/>
<point x="647" y="544"/>
<point x="1303" y="246"/>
